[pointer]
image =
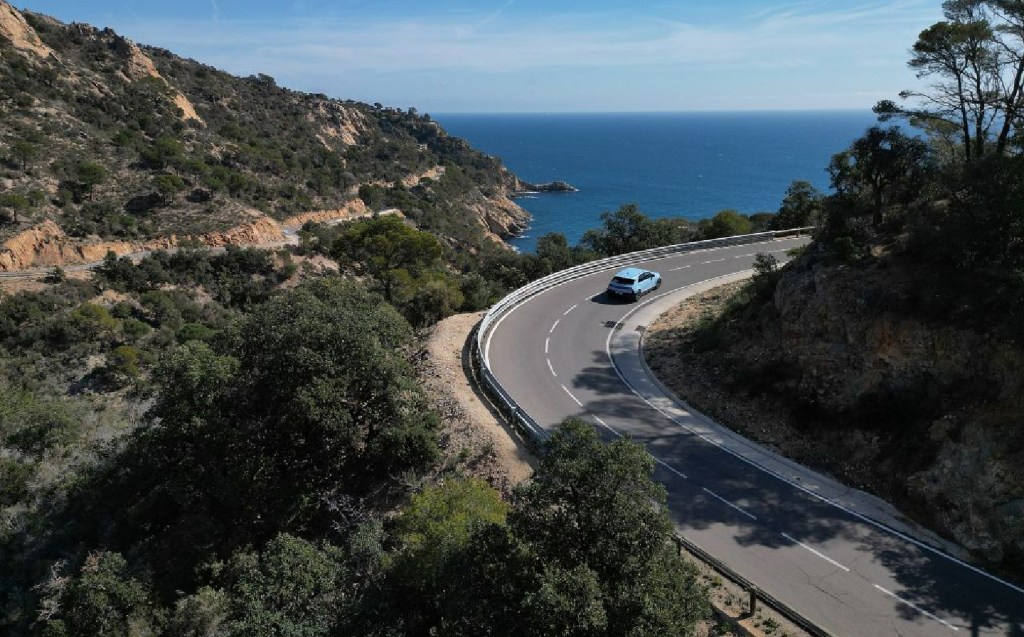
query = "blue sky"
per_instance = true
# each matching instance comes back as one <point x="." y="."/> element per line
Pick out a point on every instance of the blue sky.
<point x="542" y="56"/>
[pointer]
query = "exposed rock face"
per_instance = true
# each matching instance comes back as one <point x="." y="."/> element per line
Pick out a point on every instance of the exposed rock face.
<point x="501" y="217"/>
<point x="353" y="210"/>
<point x="138" y="65"/>
<point x="962" y="391"/>
<point x="14" y="28"/>
<point x="46" y="244"/>
<point x="836" y="372"/>
<point x="334" y="121"/>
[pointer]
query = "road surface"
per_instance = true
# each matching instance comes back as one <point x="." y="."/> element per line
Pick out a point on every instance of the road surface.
<point x="827" y="551"/>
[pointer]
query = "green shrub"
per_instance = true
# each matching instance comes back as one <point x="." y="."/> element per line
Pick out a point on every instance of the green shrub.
<point x="33" y="425"/>
<point x="194" y="332"/>
<point x="14" y="477"/>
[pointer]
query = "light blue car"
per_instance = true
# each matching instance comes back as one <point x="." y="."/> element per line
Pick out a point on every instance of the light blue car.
<point x="633" y="283"/>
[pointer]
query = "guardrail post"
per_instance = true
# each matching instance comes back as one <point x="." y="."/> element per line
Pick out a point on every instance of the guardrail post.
<point x="753" y="600"/>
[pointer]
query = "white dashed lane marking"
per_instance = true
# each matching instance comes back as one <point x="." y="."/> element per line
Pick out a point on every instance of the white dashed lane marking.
<point x="727" y="503"/>
<point x="554" y="326"/>
<point x="915" y="607"/>
<point x="552" y="369"/>
<point x="818" y="553"/>
<point x="547" y="344"/>
<point x="570" y="309"/>
<point x="574" y="399"/>
<point x="670" y="468"/>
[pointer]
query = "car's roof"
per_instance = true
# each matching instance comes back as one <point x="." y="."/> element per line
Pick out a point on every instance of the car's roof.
<point x="630" y="273"/>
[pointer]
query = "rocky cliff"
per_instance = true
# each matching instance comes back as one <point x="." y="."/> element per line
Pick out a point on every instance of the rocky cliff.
<point x="837" y="370"/>
<point x="22" y="37"/>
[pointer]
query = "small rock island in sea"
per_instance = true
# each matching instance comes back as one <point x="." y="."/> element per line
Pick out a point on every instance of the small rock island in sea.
<point x="553" y="186"/>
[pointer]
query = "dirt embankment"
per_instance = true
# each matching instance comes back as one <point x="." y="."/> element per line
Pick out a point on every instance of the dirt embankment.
<point x="924" y="414"/>
<point x="472" y="431"/>
<point x="46" y="244"/>
<point x="354" y="209"/>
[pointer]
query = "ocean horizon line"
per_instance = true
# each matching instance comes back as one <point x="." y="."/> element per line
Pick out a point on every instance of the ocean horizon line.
<point x="775" y="111"/>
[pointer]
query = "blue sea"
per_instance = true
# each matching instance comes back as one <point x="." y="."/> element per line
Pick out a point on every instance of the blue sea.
<point x="677" y="164"/>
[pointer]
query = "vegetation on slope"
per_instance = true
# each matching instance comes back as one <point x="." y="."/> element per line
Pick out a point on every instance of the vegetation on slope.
<point x="114" y="140"/>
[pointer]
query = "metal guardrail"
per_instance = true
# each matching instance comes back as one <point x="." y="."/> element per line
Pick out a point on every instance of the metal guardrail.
<point x="526" y="424"/>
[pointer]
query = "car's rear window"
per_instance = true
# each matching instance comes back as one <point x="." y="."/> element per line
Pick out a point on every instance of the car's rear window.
<point x="623" y="280"/>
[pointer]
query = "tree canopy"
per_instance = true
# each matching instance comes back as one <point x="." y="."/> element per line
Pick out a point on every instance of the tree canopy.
<point x="388" y="250"/>
<point x="975" y="61"/>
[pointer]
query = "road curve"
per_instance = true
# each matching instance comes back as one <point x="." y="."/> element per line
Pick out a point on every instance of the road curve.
<point x="570" y="351"/>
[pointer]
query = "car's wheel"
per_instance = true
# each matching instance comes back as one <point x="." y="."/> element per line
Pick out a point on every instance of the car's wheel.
<point x="658" y="284"/>
<point x="636" y="296"/>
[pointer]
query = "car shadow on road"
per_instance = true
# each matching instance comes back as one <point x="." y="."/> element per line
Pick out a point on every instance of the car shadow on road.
<point x="610" y="299"/>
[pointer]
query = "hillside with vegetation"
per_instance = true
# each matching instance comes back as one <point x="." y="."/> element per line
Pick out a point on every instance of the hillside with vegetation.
<point x="890" y="352"/>
<point x="235" y="441"/>
<point x="121" y="144"/>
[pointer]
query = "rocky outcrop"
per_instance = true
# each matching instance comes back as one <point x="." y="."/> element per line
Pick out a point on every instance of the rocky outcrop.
<point x="17" y="31"/>
<point x="42" y="245"/>
<point x="500" y="217"/>
<point x="335" y="121"/>
<point x="552" y="186"/>
<point x="840" y="373"/>
<point x="138" y="65"/>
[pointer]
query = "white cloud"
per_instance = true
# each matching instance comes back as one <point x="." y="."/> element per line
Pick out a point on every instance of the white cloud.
<point x="825" y="47"/>
<point x="779" y="38"/>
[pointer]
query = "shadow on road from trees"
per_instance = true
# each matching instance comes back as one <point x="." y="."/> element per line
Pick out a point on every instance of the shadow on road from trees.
<point x="928" y="580"/>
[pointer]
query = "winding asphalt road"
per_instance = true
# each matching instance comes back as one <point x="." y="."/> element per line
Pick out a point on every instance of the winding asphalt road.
<point x="820" y="548"/>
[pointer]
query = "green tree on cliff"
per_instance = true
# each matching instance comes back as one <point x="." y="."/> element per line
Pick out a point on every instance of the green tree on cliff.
<point x="801" y="207"/>
<point x="387" y="250"/>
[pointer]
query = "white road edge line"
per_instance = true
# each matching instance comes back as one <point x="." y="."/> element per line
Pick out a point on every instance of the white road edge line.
<point x="818" y="553"/>
<point x="916" y="607"/>
<point x="566" y="313"/>
<point x="574" y="399"/>
<point x="554" y="326"/>
<point x="727" y="503"/>
<point x="552" y="368"/>
<point x="860" y="516"/>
